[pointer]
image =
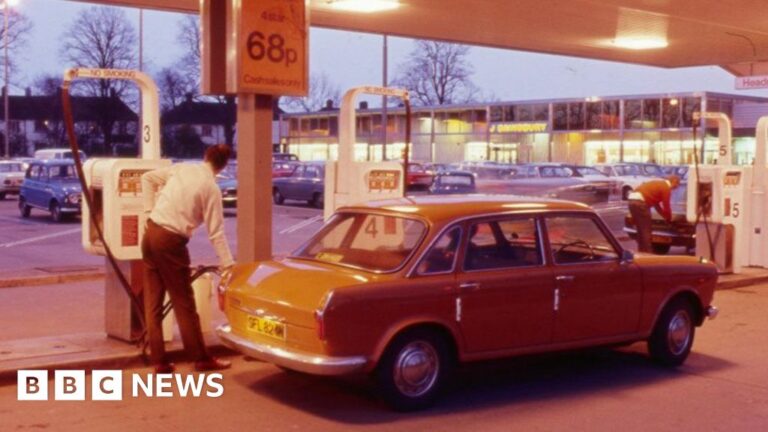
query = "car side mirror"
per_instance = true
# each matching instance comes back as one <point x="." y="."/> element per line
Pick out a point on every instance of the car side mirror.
<point x="627" y="257"/>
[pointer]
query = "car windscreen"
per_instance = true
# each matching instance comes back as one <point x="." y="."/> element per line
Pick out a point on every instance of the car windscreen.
<point x="10" y="168"/>
<point x="372" y="242"/>
<point x="456" y="180"/>
<point x="652" y="171"/>
<point x="585" y="171"/>
<point x="63" y="173"/>
<point x="627" y="170"/>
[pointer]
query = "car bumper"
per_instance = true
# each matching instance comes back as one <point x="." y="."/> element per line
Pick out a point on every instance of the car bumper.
<point x="291" y="359"/>
<point x="665" y="237"/>
<point x="229" y="202"/>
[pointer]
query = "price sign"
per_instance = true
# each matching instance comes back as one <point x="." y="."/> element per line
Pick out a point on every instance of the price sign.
<point x="272" y="47"/>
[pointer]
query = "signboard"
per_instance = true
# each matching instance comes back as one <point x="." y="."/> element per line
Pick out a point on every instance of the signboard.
<point x="520" y="127"/>
<point x="752" y="82"/>
<point x="383" y="180"/>
<point x="272" y="47"/>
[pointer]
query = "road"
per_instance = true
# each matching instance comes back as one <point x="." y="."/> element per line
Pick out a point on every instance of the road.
<point x="722" y="387"/>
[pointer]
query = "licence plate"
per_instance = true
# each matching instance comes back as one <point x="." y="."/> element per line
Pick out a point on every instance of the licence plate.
<point x="266" y="327"/>
<point x="662" y="240"/>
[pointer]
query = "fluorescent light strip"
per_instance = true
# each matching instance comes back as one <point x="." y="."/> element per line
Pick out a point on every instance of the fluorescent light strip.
<point x="364" y="6"/>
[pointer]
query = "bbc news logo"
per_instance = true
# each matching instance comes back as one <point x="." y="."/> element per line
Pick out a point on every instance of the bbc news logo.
<point x="107" y="385"/>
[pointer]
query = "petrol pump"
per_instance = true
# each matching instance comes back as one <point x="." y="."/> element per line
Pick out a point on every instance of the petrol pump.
<point x="351" y="182"/>
<point x="758" y="249"/>
<point x="718" y="202"/>
<point x="113" y="221"/>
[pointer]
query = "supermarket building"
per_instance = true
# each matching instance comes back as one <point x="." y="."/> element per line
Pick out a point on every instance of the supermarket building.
<point x="642" y="128"/>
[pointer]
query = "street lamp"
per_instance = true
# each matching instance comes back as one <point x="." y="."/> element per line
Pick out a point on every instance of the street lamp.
<point x="6" y="5"/>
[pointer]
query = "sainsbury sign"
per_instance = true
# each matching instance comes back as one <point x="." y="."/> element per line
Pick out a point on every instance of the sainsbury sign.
<point x="752" y="82"/>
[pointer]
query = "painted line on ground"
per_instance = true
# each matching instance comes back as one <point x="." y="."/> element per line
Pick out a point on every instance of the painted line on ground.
<point x="40" y="238"/>
<point x="301" y="224"/>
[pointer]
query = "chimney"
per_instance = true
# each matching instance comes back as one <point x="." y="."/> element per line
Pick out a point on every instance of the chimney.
<point x="329" y="104"/>
<point x="363" y="105"/>
<point x="188" y="97"/>
<point x="28" y="92"/>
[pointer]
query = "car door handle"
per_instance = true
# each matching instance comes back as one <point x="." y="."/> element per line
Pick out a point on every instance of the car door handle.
<point x="565" y="278"/>
<point x="469" y="286"/>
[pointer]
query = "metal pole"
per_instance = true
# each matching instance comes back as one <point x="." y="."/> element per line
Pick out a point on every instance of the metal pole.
<point x="141" y="68"/>
<point x="6" y="11"/>
<point x="384" y="101"/>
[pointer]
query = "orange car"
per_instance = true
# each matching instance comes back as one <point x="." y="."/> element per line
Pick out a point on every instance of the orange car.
<point x="405" y="289"/>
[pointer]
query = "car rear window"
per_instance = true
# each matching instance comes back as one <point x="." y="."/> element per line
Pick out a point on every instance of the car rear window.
<point x="371" y="242"/>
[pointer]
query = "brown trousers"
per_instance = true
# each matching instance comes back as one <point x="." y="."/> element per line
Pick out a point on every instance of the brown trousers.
<point x="166" y="262"/>
<point x="641" y="215"/>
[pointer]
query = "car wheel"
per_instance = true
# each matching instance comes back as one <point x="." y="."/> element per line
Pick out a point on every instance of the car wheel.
<point x="56" y="214"/>
<point x="672" y="337"/>
<point x="661" y="249"/>
<point x="24" y="209"/>
<point x="412" y="370"/>
<point x="277" y="197"/>
<point x="317" y="200"/>
<point x="625" y="193"/>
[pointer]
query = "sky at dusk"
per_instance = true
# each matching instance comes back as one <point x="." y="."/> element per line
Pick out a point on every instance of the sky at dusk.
<point x="352" y="59"/>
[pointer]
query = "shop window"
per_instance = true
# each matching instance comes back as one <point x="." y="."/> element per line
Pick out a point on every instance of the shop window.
<point x="333" y="126"/>
<point x="509" y="113"/>
<point x="576" y="116"/>
<point x="560" y="114"/>
<point x="651" y="113"/>
<point x="293" y="127"/>
<point x="540" y="112"/>
<point x="610" y="114"/>
<point x="690" y="105"/>
<point x="523" y="113"/>
<point x="633" y="114"/>
<point x="363" y="125"/>
<point x="670" y="113"/>
<point x="305" y="125"/>
<point x="594" y="121"/>
<point x="497" y="114"/>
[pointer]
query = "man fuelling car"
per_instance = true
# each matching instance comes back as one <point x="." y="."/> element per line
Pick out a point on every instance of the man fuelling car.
<point x="651" y="194"/>
<point x="179" y="199"/>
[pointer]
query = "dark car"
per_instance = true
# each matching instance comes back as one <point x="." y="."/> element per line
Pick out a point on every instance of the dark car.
<point x="306" y="183"/>
<point x="285" y="157"/>
<point x="228" y="187"/>
<point x="51" y="185"/>
<point x="453" y="182"/>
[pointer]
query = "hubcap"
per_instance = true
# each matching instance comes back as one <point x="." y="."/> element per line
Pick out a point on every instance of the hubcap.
<point x="679" y="332"/>
<point x="416" y="369"/>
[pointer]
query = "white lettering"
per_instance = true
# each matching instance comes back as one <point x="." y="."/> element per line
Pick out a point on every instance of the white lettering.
<point x="211" y="380"/>
<point x="138" y="383"/>
<point x="163" y="385"/>
<point x="184" y="384"/>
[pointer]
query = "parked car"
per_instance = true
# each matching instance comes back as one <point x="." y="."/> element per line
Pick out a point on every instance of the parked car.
<point x="488" y="169"/>
<point x="453" y="182"/>
<point x="631" y="175"/>
<point x="283" y="168"/>
<point x="418" y="178"/>
<point x="25" y="161"/>
<point x="404" y="289"/>
<point x="11" y="176"/>
<point x="51" y="185"/>
<point x="58" y="153"/>
<point x="290" y="157"/>
<point x="552" y="180"/>
<point x="228" y="187"/>
<point x="306" y="183"/>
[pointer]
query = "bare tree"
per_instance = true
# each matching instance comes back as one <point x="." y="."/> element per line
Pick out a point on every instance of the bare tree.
<point x="102" y="37"/>
<point x="437" y="73"/>
<point x="19" y="28"/>
<point x="190" y="63"/>
<point x="321" y="90"/>
<point x="174" y="88"/>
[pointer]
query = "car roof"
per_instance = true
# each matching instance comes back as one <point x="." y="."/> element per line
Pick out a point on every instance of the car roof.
<point x="51" y="162"/>
<point x="440" y="208"/>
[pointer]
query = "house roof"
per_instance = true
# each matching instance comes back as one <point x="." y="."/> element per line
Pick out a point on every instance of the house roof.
<point x="84" y="108"/>
<point x="207" y="113"/>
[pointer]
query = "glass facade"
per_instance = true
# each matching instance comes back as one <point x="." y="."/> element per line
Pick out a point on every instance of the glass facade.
<point x="652" y="128"/>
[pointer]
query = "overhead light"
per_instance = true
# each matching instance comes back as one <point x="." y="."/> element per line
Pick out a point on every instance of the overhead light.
<point x="641" y="43"/>
<point x="364" y="6"/>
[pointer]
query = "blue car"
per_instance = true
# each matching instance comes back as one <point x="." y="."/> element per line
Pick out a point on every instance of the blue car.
<point x="306" y="183"/>
<point x="51" y="185"/>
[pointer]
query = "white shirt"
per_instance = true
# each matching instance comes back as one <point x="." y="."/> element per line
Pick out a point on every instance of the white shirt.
<point x="188" y="196"/>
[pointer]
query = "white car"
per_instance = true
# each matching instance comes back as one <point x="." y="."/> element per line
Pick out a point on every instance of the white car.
<point x="11" y="176"/>
<point x="631" y="175"/>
